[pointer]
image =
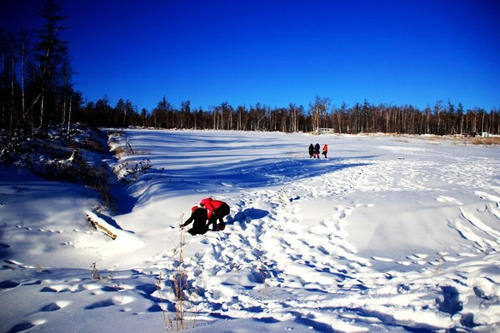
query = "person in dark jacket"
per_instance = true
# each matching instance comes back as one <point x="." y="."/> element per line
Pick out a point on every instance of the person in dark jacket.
<point x="199" y="216"/>
<point x="316" y="151"/>
<point x="311" y="150"/>
<point x="216" y="211"/>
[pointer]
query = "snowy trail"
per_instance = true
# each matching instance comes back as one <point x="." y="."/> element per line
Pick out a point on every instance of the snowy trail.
<point x="386" y="235"/>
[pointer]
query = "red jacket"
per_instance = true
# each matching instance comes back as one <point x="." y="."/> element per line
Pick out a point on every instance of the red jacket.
<point x="325" y="148"/>
<point x="210" y="205"/>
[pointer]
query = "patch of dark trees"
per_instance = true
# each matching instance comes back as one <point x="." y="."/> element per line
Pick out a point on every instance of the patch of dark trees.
<point x="36" y="91"/>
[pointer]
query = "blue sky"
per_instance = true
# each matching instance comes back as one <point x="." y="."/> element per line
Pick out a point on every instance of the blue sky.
<point x="281" y="52"/>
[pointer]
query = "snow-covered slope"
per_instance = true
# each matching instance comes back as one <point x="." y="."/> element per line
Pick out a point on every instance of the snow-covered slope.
<point x="387" y="234"/>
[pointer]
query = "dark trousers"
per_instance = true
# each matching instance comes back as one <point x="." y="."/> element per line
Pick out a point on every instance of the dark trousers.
<point x="200" y="227"/>
<point x="218" y="214"/>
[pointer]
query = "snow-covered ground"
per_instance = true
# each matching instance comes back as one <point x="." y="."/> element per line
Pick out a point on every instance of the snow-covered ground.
<point x="387" y="234"/>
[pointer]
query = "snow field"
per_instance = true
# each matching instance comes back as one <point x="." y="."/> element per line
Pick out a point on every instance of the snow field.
<point x="383" y="236"/>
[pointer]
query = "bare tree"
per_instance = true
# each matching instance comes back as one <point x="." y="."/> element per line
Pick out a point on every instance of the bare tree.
<point x="317" y="110"/>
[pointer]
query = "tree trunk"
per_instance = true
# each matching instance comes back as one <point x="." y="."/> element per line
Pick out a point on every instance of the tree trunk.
<point x="64" y="112"/>
<point x="42" y="111"/>
<point x="3" y="83"/>
<point x="69" y="117"/>
<point x="12" y="102"/>
<point x="26" y="126"/>
<point x="482" y="123"/>
<point x="462" y="124"/>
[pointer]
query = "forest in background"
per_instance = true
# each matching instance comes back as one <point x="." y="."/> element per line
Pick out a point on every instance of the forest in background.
<point x="37" y="91"/>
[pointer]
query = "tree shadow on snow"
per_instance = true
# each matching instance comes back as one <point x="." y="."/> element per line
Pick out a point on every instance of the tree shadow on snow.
<point x="205" y="177"/>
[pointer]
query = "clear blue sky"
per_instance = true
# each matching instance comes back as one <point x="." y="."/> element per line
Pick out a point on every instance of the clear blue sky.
<point x="281" y="52"/>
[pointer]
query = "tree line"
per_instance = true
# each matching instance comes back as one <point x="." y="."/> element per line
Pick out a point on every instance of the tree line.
<point x="36" y="91"/>
<point x="441" y="119"/>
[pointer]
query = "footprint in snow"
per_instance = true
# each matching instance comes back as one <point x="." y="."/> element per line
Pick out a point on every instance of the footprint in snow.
<point x="116" y="300"/>
<point x="8" y="284"/>
<point x="55" y="306"/>
<point x="487" y="196"/>
<point x="14" y="263"/>
<point x="417" y="256"/>
<point x="445" y="199"/>
<point x="27" y="325"/>
<point x="382" y="259"/>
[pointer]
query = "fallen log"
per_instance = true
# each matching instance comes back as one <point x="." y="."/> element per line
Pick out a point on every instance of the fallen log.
<point x="101" y="225"/>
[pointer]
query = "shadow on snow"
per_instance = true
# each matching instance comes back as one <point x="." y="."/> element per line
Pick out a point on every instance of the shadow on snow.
<point x="226" y="177"/>
<point x="187" y="161"/>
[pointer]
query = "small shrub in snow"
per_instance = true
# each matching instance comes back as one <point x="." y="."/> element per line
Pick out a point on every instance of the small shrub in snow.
<point x="181" y="295"/>
<point x="94" y="272"/>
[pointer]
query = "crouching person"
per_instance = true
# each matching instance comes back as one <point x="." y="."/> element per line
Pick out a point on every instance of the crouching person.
<point x="199" y="216"/>
<point x="216" y="212"/>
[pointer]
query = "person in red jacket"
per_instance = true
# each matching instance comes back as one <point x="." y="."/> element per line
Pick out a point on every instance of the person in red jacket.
<point x="216" y="211"/>
<point x="325" y="150"/>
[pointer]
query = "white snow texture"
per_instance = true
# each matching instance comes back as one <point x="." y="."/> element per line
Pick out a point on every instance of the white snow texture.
<point x="388" y="234"/>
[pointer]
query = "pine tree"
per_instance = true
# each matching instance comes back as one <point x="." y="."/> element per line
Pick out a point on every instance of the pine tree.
<point x="52" y="56"/>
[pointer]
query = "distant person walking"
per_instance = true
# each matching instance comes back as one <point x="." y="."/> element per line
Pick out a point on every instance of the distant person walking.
<point x="199" y="216"/>
<point x="316" y="151"/>
<point x="311" y="150"/>
<point x="216" y="211"/>
<point x="325" y="150"/>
